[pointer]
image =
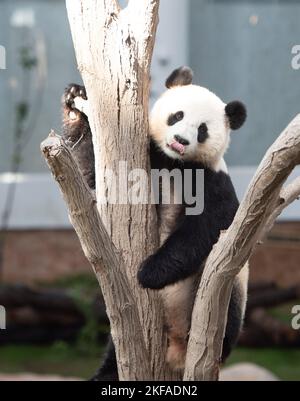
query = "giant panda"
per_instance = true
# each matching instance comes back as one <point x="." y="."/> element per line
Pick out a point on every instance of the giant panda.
<point x="189" y="130"/>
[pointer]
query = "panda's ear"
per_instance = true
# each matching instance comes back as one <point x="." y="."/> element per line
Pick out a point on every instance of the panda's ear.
<point x="236" y="113"/>
<point x="181" y="77"/>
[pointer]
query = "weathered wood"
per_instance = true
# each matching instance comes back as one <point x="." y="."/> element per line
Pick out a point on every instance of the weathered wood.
<point x="287" y="196"/>
<point x="233" y="250"/>
<point x="114" y="49"/>
<point x="106" y="260"/>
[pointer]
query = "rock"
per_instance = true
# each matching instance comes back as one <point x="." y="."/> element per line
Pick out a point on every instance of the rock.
<point x="246" y="372"/>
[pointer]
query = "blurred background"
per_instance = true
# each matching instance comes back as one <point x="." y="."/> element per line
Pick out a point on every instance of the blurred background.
<point x="55" y="315"/>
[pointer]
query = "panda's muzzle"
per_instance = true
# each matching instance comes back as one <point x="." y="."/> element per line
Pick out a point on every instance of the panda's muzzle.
<point x="179" y="144"/>
<point x="181" y="140"/>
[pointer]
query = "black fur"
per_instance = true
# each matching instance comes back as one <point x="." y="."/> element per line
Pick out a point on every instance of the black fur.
<point x="181" y="77"/>
<point x="181" y="140"/>
<point x="234" y="323"/>
<point x="202" y="133"/>
<point x="236" y="113"/>
<point x="188" y="246"/>
<point x="109" y="368"/>
<point x="175" y="118"/>
<point x="77" y="133"/>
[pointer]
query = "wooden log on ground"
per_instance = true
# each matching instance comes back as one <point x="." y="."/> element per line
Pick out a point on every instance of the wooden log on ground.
<point x="34" y="316"/>
<point x="271" y="297"/>
<point x="264" y="330"/>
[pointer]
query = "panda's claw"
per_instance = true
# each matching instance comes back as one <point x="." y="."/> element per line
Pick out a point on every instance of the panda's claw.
<point x="83" y="93"/>
<point x="69" y="100"/>
<point x="71" y="92"/>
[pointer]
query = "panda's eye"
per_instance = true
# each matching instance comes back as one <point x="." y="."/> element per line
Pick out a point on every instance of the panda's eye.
<point x="179" y="115"/>
<point x="202" y="133"/>
<point x="175" y="118"/>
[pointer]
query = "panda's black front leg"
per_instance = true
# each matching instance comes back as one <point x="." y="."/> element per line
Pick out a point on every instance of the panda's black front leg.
<point x="180" y="256"/>
<point x="77" y="132"/>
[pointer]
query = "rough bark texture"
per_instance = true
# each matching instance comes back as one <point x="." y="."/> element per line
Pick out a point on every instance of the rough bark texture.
<point x="105" y="259"/>
<point x="233" y="250"/>
<point x="287" y="196"/>
<point x="114" y="49"/>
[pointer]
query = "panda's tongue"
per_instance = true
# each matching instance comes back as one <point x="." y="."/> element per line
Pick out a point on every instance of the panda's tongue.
<point x="178" y="147"/>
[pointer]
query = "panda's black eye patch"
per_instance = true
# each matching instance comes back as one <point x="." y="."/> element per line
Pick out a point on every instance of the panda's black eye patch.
<point x="175" y="118"/>
<point x="202" y="133"/>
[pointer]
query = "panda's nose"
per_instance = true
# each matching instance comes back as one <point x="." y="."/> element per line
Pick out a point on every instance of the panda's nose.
<point x="181" y="140"/>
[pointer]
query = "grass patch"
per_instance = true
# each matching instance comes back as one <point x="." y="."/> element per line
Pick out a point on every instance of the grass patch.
<point x="82" y="358"/>
<point x="83" y="289"/>
<point x="64" y="360"/>
<point x="284" y="312"/>
<point x="59" y="359"/>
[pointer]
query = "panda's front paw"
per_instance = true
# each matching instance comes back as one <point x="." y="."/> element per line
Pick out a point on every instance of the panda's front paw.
<point x="75" y="107"/>
<point x="150" y="274"/>
<point x="72" y="92"/>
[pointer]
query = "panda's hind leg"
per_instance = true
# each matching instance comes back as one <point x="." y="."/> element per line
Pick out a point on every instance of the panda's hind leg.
<point x="236" y="312"/>
<point x="178" y="302"/>
<point x="76" y="131"/>
<point x="109" y="368"/>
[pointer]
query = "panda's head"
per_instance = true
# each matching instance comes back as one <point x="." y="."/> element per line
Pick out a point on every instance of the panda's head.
<point x="190" y="123"/>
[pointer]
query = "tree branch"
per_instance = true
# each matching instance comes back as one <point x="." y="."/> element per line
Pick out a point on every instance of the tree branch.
<point x="105" y="259"/>
<point x="233" y="250"/>
<point x="287" y="196"/>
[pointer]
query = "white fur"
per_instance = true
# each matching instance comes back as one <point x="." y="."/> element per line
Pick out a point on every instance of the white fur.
<point x="82" y="105"/>
<point x="221" y="166"/>
<point x="199" y="106"/>
<point x="242" y="280"/>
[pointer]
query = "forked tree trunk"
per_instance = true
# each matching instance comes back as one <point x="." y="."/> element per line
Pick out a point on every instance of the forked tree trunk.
<point x="114" y="50"/>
